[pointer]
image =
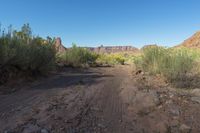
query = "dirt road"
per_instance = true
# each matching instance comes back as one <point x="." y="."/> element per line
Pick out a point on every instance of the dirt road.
<point x="76" y="101"/>
<point x="96" y="100"/>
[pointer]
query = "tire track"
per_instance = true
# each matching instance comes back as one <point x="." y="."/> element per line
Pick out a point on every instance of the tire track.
<point x="107" y="118"/>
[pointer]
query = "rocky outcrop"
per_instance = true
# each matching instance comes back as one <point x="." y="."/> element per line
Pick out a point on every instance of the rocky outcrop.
<point x="113" y="49"/>
<point x="102" y="49"/>
<point x="192" y="42"/>
<point x="59" y="46"/>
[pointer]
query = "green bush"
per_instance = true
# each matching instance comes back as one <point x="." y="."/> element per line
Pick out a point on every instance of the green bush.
<point x="111" y="59"/>
<point x="177" y="64"/>
<point x="77" y="57"/>
<point x="42" y="56"/>
<point x="153" y="59"/>
<point x="173" y="63"/>
<point x="21" y="50"/>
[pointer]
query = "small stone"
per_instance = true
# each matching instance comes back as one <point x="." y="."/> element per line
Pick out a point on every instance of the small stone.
<point x="184" y="128"/>
<point x="195" y="92"/>
<point x="101" y="125"/>
<point x="174" y="123"/>
<point x="169" y="101"/>
<point x="161" y="127"/>
<point x="196" y="99"/>
<point x="44" y="130"/>
<point x="174" y="110"/>
<point x="95" y="109"/>
<point x="62" y="128"/>
<point x="174" y="130"/>
<point x="6" y="131"/>
<point x="171" y="95"/>
<point x="31" y="129"/>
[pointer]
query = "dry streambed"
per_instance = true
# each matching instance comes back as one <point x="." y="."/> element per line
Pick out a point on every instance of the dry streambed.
<point x="99" y="100"/>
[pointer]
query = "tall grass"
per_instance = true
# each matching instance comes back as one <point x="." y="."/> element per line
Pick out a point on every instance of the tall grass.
<point x="177" y="64"/>
<point x="173" y="63"/>
<point x="153" y="59"/>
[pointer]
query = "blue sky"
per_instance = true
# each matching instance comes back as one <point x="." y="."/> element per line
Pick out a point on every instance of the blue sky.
<point x="108" y="22"/>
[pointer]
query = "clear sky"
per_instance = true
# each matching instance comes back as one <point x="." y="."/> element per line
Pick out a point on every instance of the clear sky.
<point x="108" y="22"/>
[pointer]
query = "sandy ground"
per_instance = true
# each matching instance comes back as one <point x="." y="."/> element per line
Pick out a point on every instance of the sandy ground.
<point x="98" y="100"/>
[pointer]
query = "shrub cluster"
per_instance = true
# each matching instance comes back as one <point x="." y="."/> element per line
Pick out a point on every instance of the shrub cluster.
<point x="173" y="63"/>
<point x="24" y="52"/>
<point x="78" y="57"/>
<point x="111" y="59"/>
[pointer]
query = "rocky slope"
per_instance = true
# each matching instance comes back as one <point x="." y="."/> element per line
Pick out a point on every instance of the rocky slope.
<point x="192" y="42"/>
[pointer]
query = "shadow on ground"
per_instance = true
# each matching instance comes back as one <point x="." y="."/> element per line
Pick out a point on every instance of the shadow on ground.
<point x="63" y="80"/>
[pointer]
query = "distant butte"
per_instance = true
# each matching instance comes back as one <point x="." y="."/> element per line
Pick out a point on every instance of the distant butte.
<point x="101" y="49"/>
<point x="113" y="49"/>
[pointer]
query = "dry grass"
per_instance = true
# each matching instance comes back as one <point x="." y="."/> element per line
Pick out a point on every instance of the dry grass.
<point x="177" y="65"/>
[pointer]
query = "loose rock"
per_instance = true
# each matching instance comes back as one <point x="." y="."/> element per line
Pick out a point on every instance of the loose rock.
<point x="184" y="128"/>
<point x="31" y="129"/>
<point x="174" y="110"/>
<point x="196" y="99"/>
<point x="196" y="92"/>
<point x="44" y="130"/>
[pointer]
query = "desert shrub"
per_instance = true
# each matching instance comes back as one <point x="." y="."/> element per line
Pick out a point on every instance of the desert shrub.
<point x="152" y="59"/>
<point x="41" y="56"/>
<point x="177" y="64"/>
<point x="77" y="57"/>
<point x="173" y="63"/>
<point x="105" y="59"/>
<point x="111" y="59"/>
<point x="138" y="62"/>
<point x="119" y="59"/>
<point x="26" y="53"/>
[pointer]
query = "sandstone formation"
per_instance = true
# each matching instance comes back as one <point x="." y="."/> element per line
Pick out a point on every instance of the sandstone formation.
<point x="59" y="46"/>
<point x="102" y="49"/>
<point x="192" y="42"/>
